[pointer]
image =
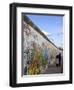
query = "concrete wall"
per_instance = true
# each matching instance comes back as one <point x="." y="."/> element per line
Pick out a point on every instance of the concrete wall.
<point x="32" y="36"/>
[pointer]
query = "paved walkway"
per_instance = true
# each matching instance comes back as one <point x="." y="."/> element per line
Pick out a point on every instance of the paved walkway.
<point x="53" y="69"/>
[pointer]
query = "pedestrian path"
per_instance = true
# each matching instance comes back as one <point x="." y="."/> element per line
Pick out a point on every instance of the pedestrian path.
<point x="53" y="69"/>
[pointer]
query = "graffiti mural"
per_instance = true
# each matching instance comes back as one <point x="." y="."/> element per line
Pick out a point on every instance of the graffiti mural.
<point x="37" y="51"/>
<point x="36" y="56"/>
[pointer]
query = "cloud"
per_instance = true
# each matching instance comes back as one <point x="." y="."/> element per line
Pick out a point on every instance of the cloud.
<point x="46" y="33"/>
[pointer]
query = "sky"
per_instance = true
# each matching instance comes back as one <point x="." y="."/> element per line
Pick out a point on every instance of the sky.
<point x="51" y="26"/>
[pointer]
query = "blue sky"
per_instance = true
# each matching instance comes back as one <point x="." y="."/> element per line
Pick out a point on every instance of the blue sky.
<point x="51" y="25"/>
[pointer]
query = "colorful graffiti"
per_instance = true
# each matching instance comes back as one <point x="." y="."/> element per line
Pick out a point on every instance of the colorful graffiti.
<point x="36" y="52"/>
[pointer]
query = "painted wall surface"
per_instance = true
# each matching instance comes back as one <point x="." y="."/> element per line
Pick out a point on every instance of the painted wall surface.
<point x="38" y="52"/>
